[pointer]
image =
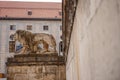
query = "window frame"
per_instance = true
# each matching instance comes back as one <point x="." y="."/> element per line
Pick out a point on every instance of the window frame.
<point x="45" y="27"/>
<point x="12" y="27"/>
<point x="29" y="27"/>
<point x="60" y="27"/>
<point x="11" y="46"/>
<point x="29" y="12"/>
<point x="60" y="13"/>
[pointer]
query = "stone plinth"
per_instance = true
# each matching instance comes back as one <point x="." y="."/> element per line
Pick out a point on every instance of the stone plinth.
<point x="36" y="67"/>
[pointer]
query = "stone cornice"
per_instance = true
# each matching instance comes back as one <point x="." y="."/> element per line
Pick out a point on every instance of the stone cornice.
<point x="69" y="10"/>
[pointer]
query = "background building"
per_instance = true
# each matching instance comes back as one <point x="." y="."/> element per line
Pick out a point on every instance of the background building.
<point x="37" y="17"/>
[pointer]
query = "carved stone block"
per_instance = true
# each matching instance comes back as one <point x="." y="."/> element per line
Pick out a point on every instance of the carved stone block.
<point x="35" y="67"/>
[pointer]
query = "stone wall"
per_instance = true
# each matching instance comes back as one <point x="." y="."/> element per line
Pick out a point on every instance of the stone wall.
<point x="94" y="51"/>
<point x="36" y="67"/>
<point x="41" y="72"/>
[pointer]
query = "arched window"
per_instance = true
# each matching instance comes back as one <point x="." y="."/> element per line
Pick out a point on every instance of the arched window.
<point x="11" y="46"/>
<point x="61" y="48"/>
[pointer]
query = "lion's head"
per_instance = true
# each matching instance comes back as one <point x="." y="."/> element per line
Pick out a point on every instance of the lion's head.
<point x="21" y="34"/>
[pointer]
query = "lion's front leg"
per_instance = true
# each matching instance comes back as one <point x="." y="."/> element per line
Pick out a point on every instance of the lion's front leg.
<point x="45" y="47"/>
<point x="34" y="48"/>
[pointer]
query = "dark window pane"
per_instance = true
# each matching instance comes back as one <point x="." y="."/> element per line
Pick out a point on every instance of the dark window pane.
<point x="60" y="13"/>
<point x="11" y="46"/>
<point x="29" y="27"/>
<point x="61" y="46"/>
<point x="45" y="27"/>
<point x="12" y="27"/>
<point x="29" y="12"/>
<point x="60" y="27"/>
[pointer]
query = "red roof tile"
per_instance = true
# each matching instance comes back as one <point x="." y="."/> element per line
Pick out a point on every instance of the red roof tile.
<point x="38" y="9"/>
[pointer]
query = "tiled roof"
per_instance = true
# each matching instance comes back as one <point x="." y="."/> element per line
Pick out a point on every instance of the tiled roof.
<point x="30" y="10"/>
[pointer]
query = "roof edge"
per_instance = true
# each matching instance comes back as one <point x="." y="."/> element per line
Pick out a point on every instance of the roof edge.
<point x="44" y="19"/>
<point x="29" y="2"/>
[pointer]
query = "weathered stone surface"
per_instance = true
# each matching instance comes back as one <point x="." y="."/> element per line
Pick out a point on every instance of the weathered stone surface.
<point x="36" y="67"/>
<point x="30" y="42"/>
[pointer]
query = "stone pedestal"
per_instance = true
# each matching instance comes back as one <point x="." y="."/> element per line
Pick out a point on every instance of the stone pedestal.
<point x="36" y="67"/>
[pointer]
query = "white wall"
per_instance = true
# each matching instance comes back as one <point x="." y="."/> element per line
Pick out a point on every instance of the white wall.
<point x="3" y="78"/>
<point x="95" y="42"/>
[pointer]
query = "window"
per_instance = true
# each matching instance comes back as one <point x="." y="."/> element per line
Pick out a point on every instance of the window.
<point x="29" y="27"/>
<point x="29" y="12"/>
<point x="60" y="13"/>
<point x="12" y="27"/>
<point x="45" y="27"/>
<point x="60" y="27"/>
<point x="61" y="46"/>
<point x="55" y="16"/>
<point x="11" y="46"/>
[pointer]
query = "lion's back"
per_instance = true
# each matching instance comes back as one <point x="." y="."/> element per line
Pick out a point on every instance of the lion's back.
<point x="46" y="37"/>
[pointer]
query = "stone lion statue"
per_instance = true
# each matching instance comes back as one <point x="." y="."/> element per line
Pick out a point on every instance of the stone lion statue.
<point x="31" y="41"/>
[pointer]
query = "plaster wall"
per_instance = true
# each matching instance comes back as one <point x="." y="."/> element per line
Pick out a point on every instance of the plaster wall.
<point x="94" y="44"/>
